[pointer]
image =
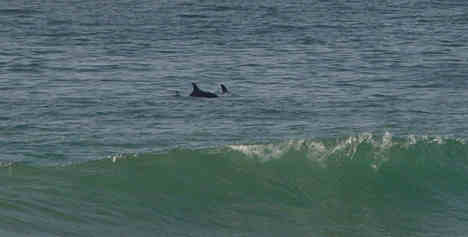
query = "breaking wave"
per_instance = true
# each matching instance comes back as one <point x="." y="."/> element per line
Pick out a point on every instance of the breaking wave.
<point x="362" y="185"/>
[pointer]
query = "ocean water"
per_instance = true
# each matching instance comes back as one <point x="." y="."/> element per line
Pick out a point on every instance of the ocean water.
<point x="344" y="118"/>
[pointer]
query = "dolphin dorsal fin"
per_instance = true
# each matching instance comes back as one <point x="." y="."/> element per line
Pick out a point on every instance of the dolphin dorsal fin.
<point x="224" y="89"/>
<point x="195" y="87"/>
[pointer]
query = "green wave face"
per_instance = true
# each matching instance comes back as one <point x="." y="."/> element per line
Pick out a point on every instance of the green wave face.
<point x="355" y="186"/>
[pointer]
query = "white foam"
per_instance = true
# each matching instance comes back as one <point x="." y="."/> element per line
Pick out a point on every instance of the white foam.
<point x="5" y="164"/>
<point x="320" y="151"/>
<point x="117" y="157"/>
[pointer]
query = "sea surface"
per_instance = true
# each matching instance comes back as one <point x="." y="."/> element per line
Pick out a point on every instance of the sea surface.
<point x="344" y="118"/>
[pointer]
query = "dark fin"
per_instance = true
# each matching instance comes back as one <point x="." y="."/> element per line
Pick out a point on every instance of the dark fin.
<point x="196" y="90"/>
<point x="224" y="89"/>
<point x="195" y="87"/>
<point x="199" y="93"/>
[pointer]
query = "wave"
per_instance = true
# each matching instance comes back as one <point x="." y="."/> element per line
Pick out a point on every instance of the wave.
<point x="362" y="185"/>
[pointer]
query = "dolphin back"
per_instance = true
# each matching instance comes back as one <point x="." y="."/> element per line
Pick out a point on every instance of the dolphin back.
<point x="199" y="93"/>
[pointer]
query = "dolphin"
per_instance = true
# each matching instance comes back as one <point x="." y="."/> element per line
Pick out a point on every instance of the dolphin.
<point x="199" y="93"/>
<point x="223" y="89"/>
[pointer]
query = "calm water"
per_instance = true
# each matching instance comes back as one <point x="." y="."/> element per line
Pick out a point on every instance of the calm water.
<point x="341" y="87"/>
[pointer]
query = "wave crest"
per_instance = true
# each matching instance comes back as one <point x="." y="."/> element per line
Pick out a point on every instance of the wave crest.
<point x="346" y="148"/>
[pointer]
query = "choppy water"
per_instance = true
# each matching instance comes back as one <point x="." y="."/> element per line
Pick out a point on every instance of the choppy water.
<point x="345" y="118"/>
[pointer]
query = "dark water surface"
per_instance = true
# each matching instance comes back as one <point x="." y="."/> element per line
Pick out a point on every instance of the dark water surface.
<point x="345" y="118"/>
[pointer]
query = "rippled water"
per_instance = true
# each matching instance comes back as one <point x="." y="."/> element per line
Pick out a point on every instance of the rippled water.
<point x="82" y="80"/>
